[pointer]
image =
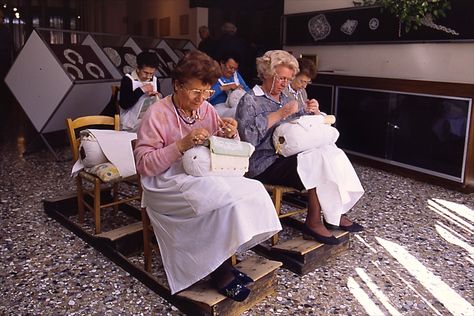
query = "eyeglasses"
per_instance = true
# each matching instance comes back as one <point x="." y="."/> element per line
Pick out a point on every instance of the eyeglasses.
<point x="197" y="93"/>
<point x="281" y="79"/>
<point x="305" y="82"/>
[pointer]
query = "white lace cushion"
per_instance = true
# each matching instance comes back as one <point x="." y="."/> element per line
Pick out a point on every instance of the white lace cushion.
<point x="305" y="133"/>
<point x="197" y="162"/>
<point x="234" y="97"/>
<point x="90" y="152"/>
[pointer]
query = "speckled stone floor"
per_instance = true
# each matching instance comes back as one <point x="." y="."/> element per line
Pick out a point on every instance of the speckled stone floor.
<point x="416" y="256"/>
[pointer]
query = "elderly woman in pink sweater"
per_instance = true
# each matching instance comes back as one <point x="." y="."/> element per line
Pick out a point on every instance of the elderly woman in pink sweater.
<point x="199" y="222"/>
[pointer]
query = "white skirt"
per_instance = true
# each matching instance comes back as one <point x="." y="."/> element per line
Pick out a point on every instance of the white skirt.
<point x="328" y="169"/>
<point x="200" y="222"/>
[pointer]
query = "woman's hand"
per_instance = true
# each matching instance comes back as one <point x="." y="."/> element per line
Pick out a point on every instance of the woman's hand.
<point x="288" y="109"/>
<point x="227" y="127"/>
<point x="312" y="107"/>
<point x="148" y="89"/>
<point x="196" y="137"/>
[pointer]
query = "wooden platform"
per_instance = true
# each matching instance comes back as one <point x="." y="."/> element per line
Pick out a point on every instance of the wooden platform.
<point x="302" y="256"/>
<point x="200" y="299"/>
<point x="262" y="270"/>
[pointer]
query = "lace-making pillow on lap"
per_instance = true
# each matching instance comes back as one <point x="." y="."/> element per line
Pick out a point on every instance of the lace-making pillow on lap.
<point x="306" y="132"/>
<point x="225" y="157"/>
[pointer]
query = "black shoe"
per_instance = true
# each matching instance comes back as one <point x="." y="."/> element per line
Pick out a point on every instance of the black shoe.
<point x="242" y="277"/>
<point x="235" y="290"/>
<point x="309" y="234"/>
<point x="353" y="228"/>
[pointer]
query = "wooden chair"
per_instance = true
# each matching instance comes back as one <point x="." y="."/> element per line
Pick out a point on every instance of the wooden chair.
<point x="74" y="127"/>
<point x="277" y="192"/>
<point x="115" y="98"/>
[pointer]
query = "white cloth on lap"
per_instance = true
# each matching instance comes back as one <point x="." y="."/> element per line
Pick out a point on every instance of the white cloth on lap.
<point x="302" y="134"/>
<point x="328" y="169"/>
<point x="182" y="208"/>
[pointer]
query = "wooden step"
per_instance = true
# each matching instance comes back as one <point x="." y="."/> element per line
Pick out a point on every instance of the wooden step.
<point x="121" y="232"/>
<point x="210" y="302"/>
<point x="302" y="256"/>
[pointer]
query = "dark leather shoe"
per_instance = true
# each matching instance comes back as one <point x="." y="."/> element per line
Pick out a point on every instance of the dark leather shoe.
<point x="235" y="290"/>
<point x="309" y="234"/>
<point x="353" y="228"/>
<point x="242" y="277"/>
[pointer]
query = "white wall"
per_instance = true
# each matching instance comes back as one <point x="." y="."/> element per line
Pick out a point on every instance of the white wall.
<point x="447" y="62"/>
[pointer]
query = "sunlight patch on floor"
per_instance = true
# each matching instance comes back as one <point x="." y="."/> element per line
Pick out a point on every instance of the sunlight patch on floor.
<point x="451" y="238"/>
<point x="377" y="292"/>
<point x="455" y="303"/>
<point x="363" y="298"/>
<point x="461" y="210"/>
<point x="450" y="216"/>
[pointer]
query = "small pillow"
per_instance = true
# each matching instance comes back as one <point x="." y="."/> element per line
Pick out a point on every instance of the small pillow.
<point x="89" y="150"/>
<point x="197" y="162"/>
<point x="234" y="97"/>
<point x="106" y="172"/>
<point x="304" y="133"/>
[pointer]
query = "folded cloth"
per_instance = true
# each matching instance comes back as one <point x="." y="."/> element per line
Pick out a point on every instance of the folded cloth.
<point x="116" y="147"/>
<point x="305" y="133"/>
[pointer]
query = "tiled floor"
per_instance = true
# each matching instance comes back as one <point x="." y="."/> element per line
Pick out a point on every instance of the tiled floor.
<point x="416" y="256"/>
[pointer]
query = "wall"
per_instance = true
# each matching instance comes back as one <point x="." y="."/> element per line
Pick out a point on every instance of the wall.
<point x="446" y="62"/>
<point x="144" y="10"/>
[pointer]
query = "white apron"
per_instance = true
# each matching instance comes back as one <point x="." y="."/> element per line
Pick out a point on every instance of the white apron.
<point x="130" y="118"/>
<point x="200" y="222"/>
<point x="229" y="107"/>
<point x="328" y="169"/>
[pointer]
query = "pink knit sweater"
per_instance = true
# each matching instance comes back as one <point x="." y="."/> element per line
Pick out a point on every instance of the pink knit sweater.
<point x="156" y="149"/>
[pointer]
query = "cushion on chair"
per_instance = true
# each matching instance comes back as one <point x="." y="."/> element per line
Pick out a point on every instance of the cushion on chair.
<point x="89" y="150"/>
<point x="304" y="133"/>
<point x="106" y="172"/>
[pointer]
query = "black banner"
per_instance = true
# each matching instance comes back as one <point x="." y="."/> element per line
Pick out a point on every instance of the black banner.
<point x="367" y="25"/>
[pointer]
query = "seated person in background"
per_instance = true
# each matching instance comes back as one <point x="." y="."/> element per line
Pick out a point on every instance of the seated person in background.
<point x="229" y="87"/>
<point x="296" y="89"/>
<point x="325" y="172"/>
<point x="197" y="233"/>
<point x="138" y="90"/>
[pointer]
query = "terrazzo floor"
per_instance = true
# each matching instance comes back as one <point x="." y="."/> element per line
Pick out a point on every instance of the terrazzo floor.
<point x="416" y="256"/>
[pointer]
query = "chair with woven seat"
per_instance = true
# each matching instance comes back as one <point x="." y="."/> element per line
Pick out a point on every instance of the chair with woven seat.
<point x="96" y="184"/>
<point x="277" y="192"/>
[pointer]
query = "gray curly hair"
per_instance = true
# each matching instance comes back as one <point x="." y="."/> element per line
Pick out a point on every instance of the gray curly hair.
<point x="267" y="63"/>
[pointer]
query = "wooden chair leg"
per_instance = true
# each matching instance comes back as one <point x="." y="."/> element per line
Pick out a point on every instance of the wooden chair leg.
<point x="146" y="239"/>
<point x="233" y="260"/>
<point x="80" y="200"/>
<point x="97" y="206"/>
<point x="277" y="196"/>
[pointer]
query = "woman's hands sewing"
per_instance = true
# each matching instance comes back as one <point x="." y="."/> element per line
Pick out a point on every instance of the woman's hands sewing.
<point x="312" y="107"/>
<point x="288" y="109"/>
<point x="196" y="137"/>
<point x="227" y="127"/>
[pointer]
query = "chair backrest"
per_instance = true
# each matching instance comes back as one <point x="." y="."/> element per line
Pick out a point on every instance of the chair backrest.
<point x="75" y="126"/>
<point x="115" y="98"/>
